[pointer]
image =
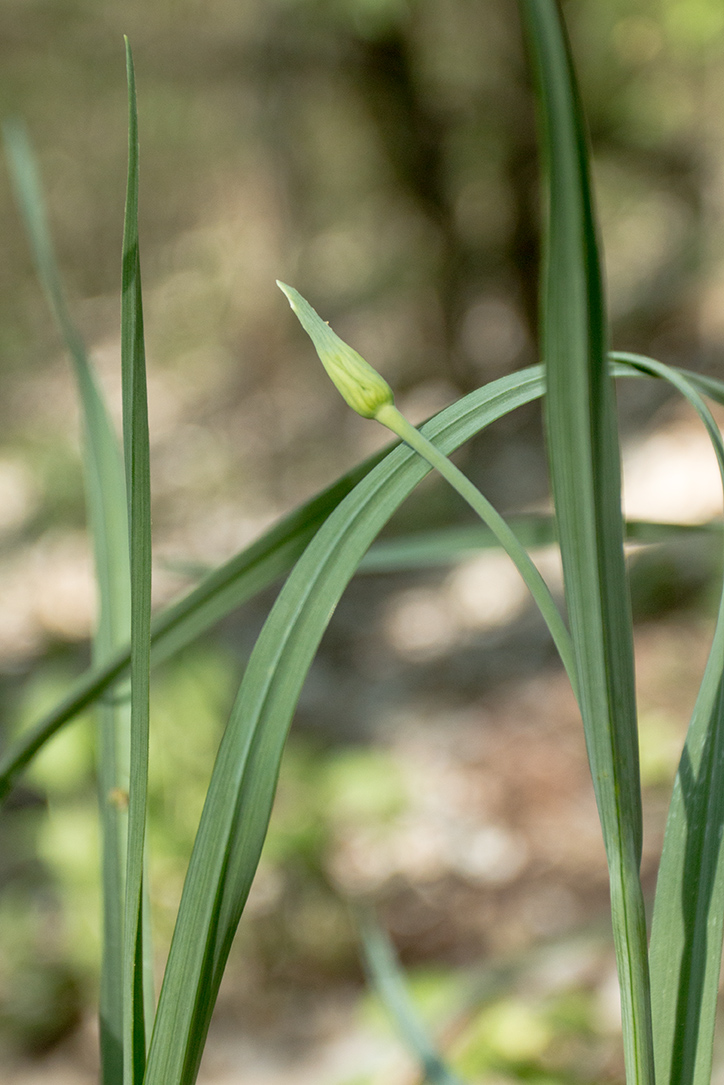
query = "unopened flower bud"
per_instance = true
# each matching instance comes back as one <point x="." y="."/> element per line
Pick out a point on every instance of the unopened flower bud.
<point x="359" y="384"/>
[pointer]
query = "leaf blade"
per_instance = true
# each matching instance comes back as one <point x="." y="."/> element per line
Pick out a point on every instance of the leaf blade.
<point x="240" y="795"/>
<point x="688" y="919"/>
<point x="583" y="455"/>
<point x="106" y="503"/>
<point x="138" y="487"/>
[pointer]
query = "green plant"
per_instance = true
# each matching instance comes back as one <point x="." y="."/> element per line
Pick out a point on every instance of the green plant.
<point x="668" y="988"/>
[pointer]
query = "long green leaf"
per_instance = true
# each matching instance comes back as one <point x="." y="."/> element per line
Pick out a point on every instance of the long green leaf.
<point x="238" y="804"/>
<point x="425" y="549"/>
<point x="106" y="501"/>
<point x="138" y="486"/>
<point x="583" y="455"/>
<point x="688" y="921"/>
<point x="388" y="981"/>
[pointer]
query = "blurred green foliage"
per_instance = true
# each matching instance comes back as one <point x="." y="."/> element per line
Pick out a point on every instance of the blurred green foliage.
<point x="296" y="913"/>
<point x="518" y="1037"/>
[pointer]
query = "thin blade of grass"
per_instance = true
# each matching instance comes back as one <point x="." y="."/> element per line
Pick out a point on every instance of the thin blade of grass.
<point x="388" y="981"/>
<point x="425" y="549"/>
<point x="584" y="464"/>
<point x="240" y="795"/>
<point x="688" y="921"/>
<point x="106" y="503"/>
<point x="138" y="487"/>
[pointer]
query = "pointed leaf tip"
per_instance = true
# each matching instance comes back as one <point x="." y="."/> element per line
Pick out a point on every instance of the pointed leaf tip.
<point x="358" y="383"/>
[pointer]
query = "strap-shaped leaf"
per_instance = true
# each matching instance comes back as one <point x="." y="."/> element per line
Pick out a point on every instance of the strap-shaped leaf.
<point x="688" y="921"/>
<point x="138" y="488"/>
<point x="238" y="804"/>
<point x="583" y="451"/>
<point x="425" y="549"/>
<point x="106" y="503"/>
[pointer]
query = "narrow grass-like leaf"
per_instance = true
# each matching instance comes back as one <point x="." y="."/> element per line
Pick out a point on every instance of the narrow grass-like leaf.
<point x="584" y="463"/>
<point x="425" y="549"/>
<point x="106" y="502"/>
<point x="239" y="799"/>
<point x="388" y="981"/>
<point x="688" y="921"/>
<point x="138" y="487"/>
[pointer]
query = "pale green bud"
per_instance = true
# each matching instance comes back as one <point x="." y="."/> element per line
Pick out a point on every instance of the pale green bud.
<point x="359" y="384"/>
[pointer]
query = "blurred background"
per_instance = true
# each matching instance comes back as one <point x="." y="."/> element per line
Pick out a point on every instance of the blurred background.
<point x="380" y="156"/>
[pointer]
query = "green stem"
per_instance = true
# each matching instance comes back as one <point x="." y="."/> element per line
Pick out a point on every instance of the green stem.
<point x="389" y="416"/>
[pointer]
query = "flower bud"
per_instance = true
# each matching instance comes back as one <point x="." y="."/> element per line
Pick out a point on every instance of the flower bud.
<point x="359" y="384"/>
